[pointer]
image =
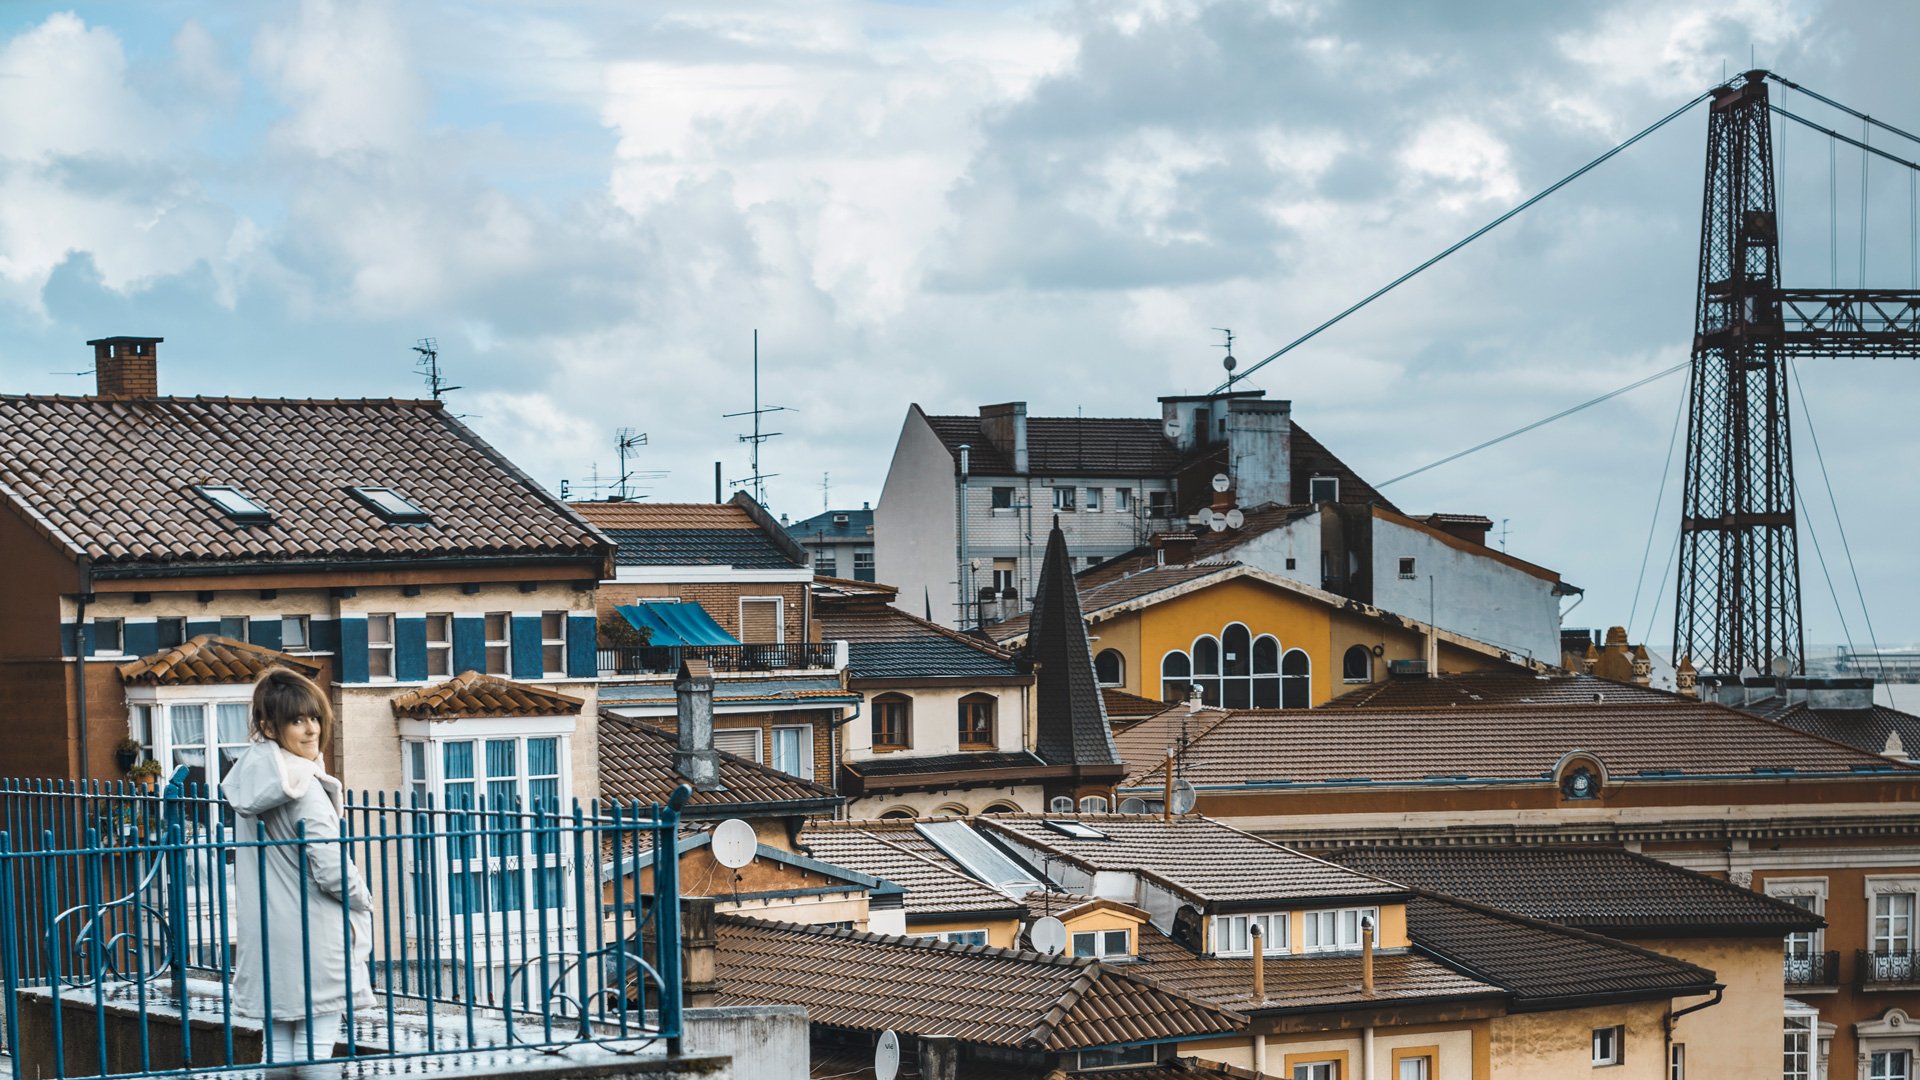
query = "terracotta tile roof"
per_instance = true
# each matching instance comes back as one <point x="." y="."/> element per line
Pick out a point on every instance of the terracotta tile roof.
<point x="1107" y="591"/>
<point x="1499" y="688"/>
<point x="471" y="694"/>
<point x="210" y="660"/>
<point x="1206" y="860"/>
<point x="830" y="590"/>
<point x="1862" y="729"/>
<point x="115" y="479"/>
<point x="636" y="765"/>
<point x="896" y="831"/>
<point x="1542" y="965"/>
<point x="654" y="515"/>
<point x="1123" y="707"/>
<point x="1144" y="743"/>
<point x="1604" y="890"/>
<point x="1070" y="716"/>
<point x="1304" y="981"/>
<point x="1509" y="742"/>
<point x="934" y="887"/>
<point x="732" y="534"/>
<point x="974" y="993"/>
<point x="1041" y="903"/>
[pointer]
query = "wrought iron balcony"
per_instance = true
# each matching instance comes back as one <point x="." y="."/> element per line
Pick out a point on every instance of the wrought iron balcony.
<point x="726" y="659"/>
<point x="1879" y="968"/>
<point x="1813" y="971"/>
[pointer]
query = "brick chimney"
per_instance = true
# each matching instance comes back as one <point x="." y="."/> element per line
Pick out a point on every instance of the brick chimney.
<point x="1005" y="427"/>
<point x="1176" y="548"/>
<point x="126" y="367"/>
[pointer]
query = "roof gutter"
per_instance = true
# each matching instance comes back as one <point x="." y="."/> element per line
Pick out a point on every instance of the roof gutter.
<point x="131" y="571"/>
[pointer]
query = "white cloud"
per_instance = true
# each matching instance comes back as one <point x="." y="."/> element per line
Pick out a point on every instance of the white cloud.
<point x="344" y="69"/>
<point x="66" y="95"/>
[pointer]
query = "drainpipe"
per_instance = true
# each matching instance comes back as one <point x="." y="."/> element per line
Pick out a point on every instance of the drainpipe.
<point x="80" y="661"/>
<point x="1366" y="1053"/>
<point x="1672" y="1015"/>
<point x="965" y="575"/>
<point x="833" y="741"/>
<point x="1366" y="988"/>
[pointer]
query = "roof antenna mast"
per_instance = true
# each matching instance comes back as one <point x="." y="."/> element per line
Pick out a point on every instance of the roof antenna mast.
<point x="1229" y="363"/>
<point x="625" y="441"/>
<point x="758" y="480"/>
<point x="429" y="366"/>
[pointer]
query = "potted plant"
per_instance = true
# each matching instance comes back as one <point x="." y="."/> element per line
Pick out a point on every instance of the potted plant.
<point x="147" y="773"/>
<point x="126" y="752"/>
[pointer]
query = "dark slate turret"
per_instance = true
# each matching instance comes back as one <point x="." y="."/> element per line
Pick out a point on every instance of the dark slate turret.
<point x="1072" y="713"/>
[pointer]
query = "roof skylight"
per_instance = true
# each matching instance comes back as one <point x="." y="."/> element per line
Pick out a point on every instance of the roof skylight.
<point x="979" y="857"/>
<point x="1076" y="830"/>
<point x="237" y="504"/>
<point x="391" y="505"/>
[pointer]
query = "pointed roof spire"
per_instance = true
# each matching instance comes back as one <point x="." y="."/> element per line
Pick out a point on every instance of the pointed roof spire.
<point x="1072" y="713"/>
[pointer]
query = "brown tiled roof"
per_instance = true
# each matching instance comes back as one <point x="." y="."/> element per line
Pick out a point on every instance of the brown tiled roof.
<point x="1862" y="729"/>
<point x="1310" y="458"/>
<point x="1081" y="446"/>
<point x="1605" y="890"/>
<point x="114" y="479"/>
<point x="1070" y="716"/>
<point x="471" y="693"/>
<point x="1542" y="965"/>
<point x="1304" y="980"/>
<point x="210" y="660"/>
<point x="636" y="765"/>
<point x="1106" y="591"/>
<point x="885" y="642"/>
<point x="1499" y="688"/>
<point x="1204" y="859"/>
<point x="974" y="993"/>
<point x="831" y="590"/>
<point x="933" y="887"/>
<point x="1185" y="1068"/>
<point x="1144" y="743"/>
<point x="1041" y="903"/>
<point x="653" y="515"/>
<point x="1509" y="742"/>
<point x="1124" y="707"/>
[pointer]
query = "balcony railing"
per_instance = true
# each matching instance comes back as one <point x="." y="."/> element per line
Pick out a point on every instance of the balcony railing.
<point x="491" y="927"/>
<point x="1813" y="971"/>
<point x="1880" y="968"/>
<point x="727" y="659"/>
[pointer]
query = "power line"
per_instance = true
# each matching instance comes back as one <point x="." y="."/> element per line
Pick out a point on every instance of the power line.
<point x="1470" y="238"/>
<point x="1562" y="414"/>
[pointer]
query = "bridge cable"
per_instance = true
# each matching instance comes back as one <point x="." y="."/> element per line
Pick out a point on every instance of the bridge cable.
<point x="1848" y="139"/>
<point x="1468" y="239"/>
<point x="1562" y="414"/>
<point x="1653" y="616"/>
<point x="1660" y="495"/>
<point x="1862" y="282"/>
<point x="1806" y="414"/>
<point x="1831" y="591"/>
<point x="1855" y="113"/>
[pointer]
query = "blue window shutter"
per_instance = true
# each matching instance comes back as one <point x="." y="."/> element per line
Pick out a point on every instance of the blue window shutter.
<point x="139" y="638"/>
<point x="409" y="649"/>
<point x="353" y="650"/>
<point x="196" y="627"/>
<point x="526" y="647"/>
<point x="469" y="644"/>
<point x="264" y="632"/>
<point x="583" y="657"/>
<point x="69" y="639"/>
<point x="86" y="637"/>
<point x="323" y="635"/>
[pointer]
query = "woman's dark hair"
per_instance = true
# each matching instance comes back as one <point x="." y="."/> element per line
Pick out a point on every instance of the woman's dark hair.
<point x="282" y="695"/>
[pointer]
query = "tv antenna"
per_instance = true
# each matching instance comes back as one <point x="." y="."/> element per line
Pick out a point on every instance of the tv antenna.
<point x="429" y="366"/>
<point x="826" y="493"/>
<point x="625" y="442"/>
<point x="758" y="480"/>
<point x="1229" y="363"/>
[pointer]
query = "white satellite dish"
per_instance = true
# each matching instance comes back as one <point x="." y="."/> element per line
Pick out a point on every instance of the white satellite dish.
<point x="886" y="1056"/>
<point x="1049" y="935"/>
<point x="1218" y="523"/>
<point x="1205" y="515"/>
<point x="1235" y="518"/>
<point x="1133" y="804"/>
<point x="734" y="844"/>
<point x="1221" y="482"/>
<point x="1172" y="428"/>
<point x="1184" y="797"/>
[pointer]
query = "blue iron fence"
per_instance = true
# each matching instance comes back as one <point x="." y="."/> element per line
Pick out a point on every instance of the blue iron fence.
<point x="492" y="925"/>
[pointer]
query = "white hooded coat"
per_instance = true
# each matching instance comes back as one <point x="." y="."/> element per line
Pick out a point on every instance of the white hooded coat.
<point x="273" y="791"/>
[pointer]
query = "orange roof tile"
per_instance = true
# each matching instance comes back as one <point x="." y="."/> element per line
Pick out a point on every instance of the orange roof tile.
<point x="653" y="515"/>
<point x="472" y="694"/>
<point x="210" y="660"/>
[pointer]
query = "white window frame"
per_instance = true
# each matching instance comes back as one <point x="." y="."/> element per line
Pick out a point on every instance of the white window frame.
<point x="388" y="647"/>
<point x="1092" y="502"/>
<point x="1060" y="804"/>
<point x="1102" y="945"/>
<point x="241" y="632"/>
<point x="1312" y="481"/>
<point x="857" y="567"/>
<point x="1409" y="568"/>
<point x="1677" y="1061"/>
<point x="443" y="649"/>
<point x="1235" y="931"/>
<point x="504" y="644"/>
<point x="1879" y="886"/>
<point x="1316" y="1070"/>
<point x="1881" y="1064"/>
<point x="1814" y="888"/>
<point x="1095" y="804"/>
<point x="305" y="623"/>
<point x="1608" y="1045"/>
<point x="1122" y="499"/>
<point x="156" y="705"/>
<point x="1800" y="1053"/>
<point x="779" y="616"/>
<point x="806" y="749"/>
<point x="1338" y="921"/>
<point x="826" y="563"/>
<point x="93" y="626"/>
<point x="955" y="936"/>
<point x="1064" y="498"/>
<point x="549" y="643"/>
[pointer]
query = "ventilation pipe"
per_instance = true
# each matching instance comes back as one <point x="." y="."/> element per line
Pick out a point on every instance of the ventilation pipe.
<point x="1366" y="957"/>
<point x="1259" y="961"/>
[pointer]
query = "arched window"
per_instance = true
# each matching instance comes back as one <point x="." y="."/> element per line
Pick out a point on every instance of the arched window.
<point x="1110" y="668"/>
<point x="1266" y="672"/>
<point x="1176" y="674"/>
<point x="1357" y="664"/>
<point x="1206" y="668"/>
<point x="950" y="810"/>
<point x="892" y="722"/>
<point x="1093" y="804"/>
<point x="898" y="813"/>
<point x="976" y="721"/>
<point x="1001" y="808"/>
<point x="1060" y="804"/>
<point x="1296" y="680"/>
<point x="1236" y="655"/>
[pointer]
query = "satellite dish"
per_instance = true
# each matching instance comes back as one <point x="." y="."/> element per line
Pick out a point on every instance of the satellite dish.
<point x="886" y="1056"/>
<point x="1218" y="523"/>
<point x="1049" y="935"/>
<point x="734" y="843"/>
<point x="1221" y="482"/>
<point x="1172" y="428"/>
<point x="1184" y="797"/>
<point x="1229" y="363"/>
<point x="1235" y="518"/>
<point x="1205" y="515"/>
<point x="1133" y="804"/>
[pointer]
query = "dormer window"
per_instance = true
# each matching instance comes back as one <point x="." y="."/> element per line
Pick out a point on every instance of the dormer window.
<point x="235" y="503"/>
<point x="391" y="505"/>
<point x="839" y="519"/>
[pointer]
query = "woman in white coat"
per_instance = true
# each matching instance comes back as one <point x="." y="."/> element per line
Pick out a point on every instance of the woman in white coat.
<point x="277" y="784"/>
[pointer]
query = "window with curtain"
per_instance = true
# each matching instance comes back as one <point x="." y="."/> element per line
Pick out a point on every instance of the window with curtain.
<point x="494" y="860"/>
<point x="976" y="720"/>
<point x="892" y="722"/>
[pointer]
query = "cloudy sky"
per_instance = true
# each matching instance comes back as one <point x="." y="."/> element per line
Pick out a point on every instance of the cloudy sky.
<point x="593" y="205"/>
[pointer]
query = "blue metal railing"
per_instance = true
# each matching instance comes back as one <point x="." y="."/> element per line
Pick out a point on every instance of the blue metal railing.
<point x="491" y="925"/>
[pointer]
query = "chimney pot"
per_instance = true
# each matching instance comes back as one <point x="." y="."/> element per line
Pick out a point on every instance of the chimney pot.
<point x="126" y="367"/>
<point x="1366" y="956"/>
<point x="694" y="756"/>
<point x="1259" y="962"/>
<point x="1175" y="548"/>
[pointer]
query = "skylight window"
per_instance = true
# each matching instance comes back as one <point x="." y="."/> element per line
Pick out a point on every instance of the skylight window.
<point x="391" y="505"/>
<point x="1076" y="830"/>
<point x="235" y="503"/>
<point x="979" y="857"/>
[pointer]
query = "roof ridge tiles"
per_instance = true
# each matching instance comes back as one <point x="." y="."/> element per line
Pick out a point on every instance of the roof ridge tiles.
<point x="1060" y="960"/>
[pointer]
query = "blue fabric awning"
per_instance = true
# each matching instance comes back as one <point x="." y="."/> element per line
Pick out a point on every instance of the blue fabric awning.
<point x="682" y="623"/>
